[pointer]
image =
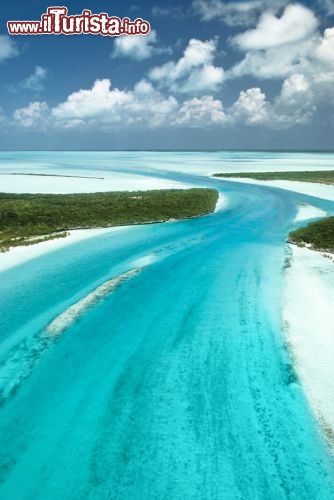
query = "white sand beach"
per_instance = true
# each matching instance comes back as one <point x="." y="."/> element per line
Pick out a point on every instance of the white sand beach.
<point x="322" y="191"/>
<point x="309" y="323"/>
<point x="308" y="212"/>
<point x="308" y="310"/>
<point x="60" y="184"/>
<point x="221" y="203"/>
<point x="19" y="183"/>
<point x="18" y="255"/>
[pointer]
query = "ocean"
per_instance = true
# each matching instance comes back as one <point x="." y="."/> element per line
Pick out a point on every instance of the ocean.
<point x="151" y="363"/>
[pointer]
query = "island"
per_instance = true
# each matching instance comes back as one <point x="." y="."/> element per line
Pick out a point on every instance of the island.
<point x="319" y="176"/>
<point x="26" y="219"/>
<point x="317" y="235"/>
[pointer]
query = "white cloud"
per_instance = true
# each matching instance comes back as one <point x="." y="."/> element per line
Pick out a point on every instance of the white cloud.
<point x="276" y="62"/>
<point x="325" y="50"/>
<point x="240" y="13"/>
<point x="8" y="48"/>
<point x="138" y="47"/>
<point x="193" y="72"/>
<point x="93" y="102"/>
<point x="280" y="47"/>
<point x="106" y="108"/>
<point x="251" y="107"/>
<point x="296" y="103"/>
<point x="205" y="111"/>
<point x="103" y="106"/>
<point x="34" y="116"/>
<point x="290" y="48"/>
<point x="36" y="80"/>
<point x="297" y="23"/>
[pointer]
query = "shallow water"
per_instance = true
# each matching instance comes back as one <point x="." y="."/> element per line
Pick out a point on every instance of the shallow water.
<point x="176" y="383"/>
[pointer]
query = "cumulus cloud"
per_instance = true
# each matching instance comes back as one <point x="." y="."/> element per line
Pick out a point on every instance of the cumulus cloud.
<point x="297" y="23"/>
<point x="198" y="112"/>
<point x="138" y="47"/>
<point x="277" y="62"/>
<point x="144" y="106"/>
<point x="279" y="46"/>
<point x="251" y="107"/>
<point x="325" y="50"/>
<point x="193" y="72"/>
<point x="291" y="48"/>
<point x="102" y="105"/>
<point x="36" y="80"/>
<point x="34" y="116"/>
<point x="8" y="48"/>
<point x="296" y="102"/>
<point x="105" y="107"/>
<point x="240" y="13"/>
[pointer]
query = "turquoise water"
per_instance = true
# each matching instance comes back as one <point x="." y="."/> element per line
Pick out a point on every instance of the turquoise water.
<point x="176" y="384"/>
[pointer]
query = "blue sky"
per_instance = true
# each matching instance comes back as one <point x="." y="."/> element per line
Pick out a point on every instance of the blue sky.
<point x="212" y="74"/>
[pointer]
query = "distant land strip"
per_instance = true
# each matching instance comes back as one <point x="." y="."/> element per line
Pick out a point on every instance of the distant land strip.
<point x="319" y="176"/>
<point x="53" y="175"/>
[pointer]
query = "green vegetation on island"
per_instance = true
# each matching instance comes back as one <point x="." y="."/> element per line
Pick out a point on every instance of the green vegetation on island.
<point x="317" y="235"/>
<point x="26" y="219"/>
<point x="320" y="176"/>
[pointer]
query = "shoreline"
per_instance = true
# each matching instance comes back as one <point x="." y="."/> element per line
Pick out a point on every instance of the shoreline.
<point x="20" y="254"/>
<point x="308" y="318"/>
<point x="317" y="190"/>
<point x="46" y="183"/>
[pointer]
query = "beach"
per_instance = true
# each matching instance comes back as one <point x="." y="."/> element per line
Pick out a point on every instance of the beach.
<point x="308" y="309"/>
<point x="322" y="191"/>
<point x="308" y="315"/>
<point x="62" y="184"/>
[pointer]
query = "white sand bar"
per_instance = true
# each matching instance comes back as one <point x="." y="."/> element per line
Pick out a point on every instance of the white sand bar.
<point x="309" y="319"/>
<point x="308" y="212"/>
<point x="322" y="191"/>
<point x="10" y="183"/>
<point x="18" y="255"/>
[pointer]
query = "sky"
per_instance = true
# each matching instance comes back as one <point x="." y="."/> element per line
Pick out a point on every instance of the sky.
<point x="211" y="74"/>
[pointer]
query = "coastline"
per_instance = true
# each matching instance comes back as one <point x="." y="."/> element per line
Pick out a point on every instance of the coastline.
<point x="307" y="212"/>
<point x="20" y="254"/>
<point x="64" y="184"/>
<point x="308" y="313"/>
<point x="308" y="316"/>
<point x="323" y="191"/>
<point x="308" y="298"/>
